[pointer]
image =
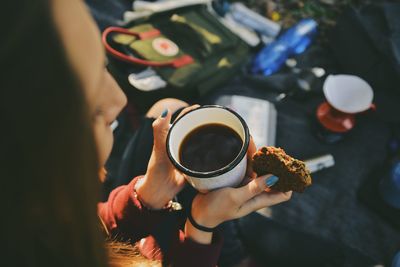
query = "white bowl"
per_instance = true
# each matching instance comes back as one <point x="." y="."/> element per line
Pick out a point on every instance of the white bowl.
<point x="348" y="93"/>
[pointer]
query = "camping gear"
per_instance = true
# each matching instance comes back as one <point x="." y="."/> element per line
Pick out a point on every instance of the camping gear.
<point x="187" y="47"/>
<point x="346" y="96"/>
<point x="255" y="21"/>
<point x="294" y="41"/>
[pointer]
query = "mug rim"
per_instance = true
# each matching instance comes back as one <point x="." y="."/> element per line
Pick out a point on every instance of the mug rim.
<point x="225" y="169"/>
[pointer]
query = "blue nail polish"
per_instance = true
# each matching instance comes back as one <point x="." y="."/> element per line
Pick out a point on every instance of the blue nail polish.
<point x="271" y="180"/>
<point x="164" y="114"/>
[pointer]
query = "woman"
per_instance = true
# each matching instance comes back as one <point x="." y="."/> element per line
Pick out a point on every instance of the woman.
<point x="57" y="102"/>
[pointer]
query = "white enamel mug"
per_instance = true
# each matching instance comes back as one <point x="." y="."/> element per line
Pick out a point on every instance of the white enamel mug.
<point x="227" y="176"/>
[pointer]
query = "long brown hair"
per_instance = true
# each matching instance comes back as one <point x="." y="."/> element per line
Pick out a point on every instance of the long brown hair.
<point x="48" y="161"/>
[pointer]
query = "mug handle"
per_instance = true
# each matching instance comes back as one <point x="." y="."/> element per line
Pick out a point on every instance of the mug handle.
<point x="372" y="107"/>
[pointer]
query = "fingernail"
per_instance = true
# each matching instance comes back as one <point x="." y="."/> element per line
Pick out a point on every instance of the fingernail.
<point x="271" y="180"/>
<point x="164" y="114"/>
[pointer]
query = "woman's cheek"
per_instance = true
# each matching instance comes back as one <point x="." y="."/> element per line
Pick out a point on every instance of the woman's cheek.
<point x="104" y="141"/>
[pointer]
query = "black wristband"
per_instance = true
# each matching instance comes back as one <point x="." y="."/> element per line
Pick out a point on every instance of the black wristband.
<point x="198" y="226"/>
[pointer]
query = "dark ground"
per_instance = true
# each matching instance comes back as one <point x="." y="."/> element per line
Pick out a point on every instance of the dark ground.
<point x="330" y="209"/>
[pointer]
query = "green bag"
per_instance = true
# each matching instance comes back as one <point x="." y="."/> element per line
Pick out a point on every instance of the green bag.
<point x="188" y="47"/>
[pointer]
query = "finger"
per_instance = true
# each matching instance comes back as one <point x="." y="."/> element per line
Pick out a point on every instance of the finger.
<point x="160" y="131"/>
<point x="186" y="110"/>
<point x="250" y="152"/>
<point x="245" y="181"/>
<point x="263" y="200"/>
<point x="255" y="187"/>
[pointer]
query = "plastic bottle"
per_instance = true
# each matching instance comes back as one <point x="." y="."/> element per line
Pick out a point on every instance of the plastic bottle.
<point x="396" y="260"/>
<point x="294" y="41"/>
<point x="389" y="186"/>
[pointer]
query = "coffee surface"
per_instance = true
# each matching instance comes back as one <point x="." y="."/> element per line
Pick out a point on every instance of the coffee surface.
<point x="209" y="147"/>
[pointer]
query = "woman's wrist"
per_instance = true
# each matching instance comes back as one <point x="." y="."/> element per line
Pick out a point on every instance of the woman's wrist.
<point x="197" y="235"/>
<point x="149" y="196"/>
<point x="201" y="227"/>
<point x="200" y="216"/>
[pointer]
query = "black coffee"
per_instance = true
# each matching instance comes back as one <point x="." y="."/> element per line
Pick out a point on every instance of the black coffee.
<point x="209" y="147"/>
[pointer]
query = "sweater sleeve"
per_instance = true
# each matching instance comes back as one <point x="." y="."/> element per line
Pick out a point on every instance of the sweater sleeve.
<point x="124" y="215"/>
<point x="187" y="252"/>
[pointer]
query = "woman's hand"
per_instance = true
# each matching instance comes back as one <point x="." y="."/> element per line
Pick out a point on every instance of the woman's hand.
<point x="162" y="181"/>
<point x="225" y="204"/>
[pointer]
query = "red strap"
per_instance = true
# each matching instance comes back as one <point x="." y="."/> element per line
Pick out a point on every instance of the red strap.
<point x="176" y="63"/>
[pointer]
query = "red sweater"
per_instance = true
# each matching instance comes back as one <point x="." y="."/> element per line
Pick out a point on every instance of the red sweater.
<point x="124" y="216"/>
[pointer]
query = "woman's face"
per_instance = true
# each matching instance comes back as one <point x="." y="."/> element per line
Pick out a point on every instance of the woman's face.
<point x="85" y="52"/>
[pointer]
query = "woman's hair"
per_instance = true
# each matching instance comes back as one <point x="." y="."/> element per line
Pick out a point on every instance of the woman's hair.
<point x="125" y="255"/>
<point x="48" y="161"/>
